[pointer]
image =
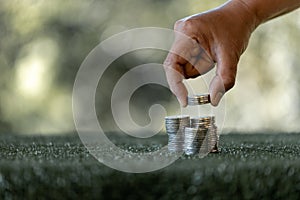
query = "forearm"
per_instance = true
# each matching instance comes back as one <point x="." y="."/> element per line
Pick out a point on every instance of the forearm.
<point x="265" y="10"/>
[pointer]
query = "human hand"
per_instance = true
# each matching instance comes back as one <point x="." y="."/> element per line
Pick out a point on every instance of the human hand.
<point x="218" y="36"/>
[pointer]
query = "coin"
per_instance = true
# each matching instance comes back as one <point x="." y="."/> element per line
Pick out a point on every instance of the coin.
<point x="198" y="99"/>
<point x="192" y="135"/>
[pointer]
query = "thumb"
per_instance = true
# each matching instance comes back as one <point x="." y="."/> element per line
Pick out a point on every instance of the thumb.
<point x="225" y="76"/>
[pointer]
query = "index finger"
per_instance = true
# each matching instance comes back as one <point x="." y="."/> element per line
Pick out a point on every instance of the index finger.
<point x="175" y="77"/>
<point x="183" y="50"/>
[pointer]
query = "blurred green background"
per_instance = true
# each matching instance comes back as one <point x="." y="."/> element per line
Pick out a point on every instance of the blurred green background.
<point x="43" y="44"/>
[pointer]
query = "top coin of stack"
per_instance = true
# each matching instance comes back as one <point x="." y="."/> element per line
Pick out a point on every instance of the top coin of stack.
<point x="176" y="123"/>
<point x="198" y="99"/>
<point x="205" y="121"/>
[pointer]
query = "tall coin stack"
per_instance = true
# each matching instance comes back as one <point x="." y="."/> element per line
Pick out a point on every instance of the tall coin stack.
<point x="175" y="128"/>
<point x="207" y="125"/>
<point x="194" y="140"/>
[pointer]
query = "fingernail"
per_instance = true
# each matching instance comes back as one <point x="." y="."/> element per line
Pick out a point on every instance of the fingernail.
<point x="217" y="98"/>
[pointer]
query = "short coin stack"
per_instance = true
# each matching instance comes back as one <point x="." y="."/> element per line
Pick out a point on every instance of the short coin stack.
<point x="198" y="134"/>
<point x="175" y="128"/>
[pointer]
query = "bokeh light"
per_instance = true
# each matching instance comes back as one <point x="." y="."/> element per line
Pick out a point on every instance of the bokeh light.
<point x="43" y="43"/>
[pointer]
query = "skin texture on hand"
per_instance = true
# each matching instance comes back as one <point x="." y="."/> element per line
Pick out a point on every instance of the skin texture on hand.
<point x="269" y="9"/>
<point x="223" y="33"/>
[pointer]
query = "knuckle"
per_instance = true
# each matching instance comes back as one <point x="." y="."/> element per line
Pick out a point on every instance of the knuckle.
<point x="184" y="25"/>
<point x="188" y="24"/>
<point x="177" y="24"/>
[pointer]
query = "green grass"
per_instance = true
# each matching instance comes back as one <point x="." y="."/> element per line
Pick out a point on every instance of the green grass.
<point x="250" y="166"/>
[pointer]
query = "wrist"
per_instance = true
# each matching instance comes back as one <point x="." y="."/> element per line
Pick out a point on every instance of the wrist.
<point x="265" y="10"/>
<point x="247" y="12"/>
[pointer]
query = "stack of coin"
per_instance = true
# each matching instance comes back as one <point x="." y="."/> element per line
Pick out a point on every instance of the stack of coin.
<point x="198" y="99"/>
<point x="195" y="135"/>
<point x="176" y="142"/>
<point x="207" y="123"/>
<point x="193" y="140"/>
<point x="175" y="128"/>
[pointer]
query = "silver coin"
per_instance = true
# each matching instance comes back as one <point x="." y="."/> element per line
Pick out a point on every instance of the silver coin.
<point x="192" y="135"/>
<point x="198" y="99"/>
